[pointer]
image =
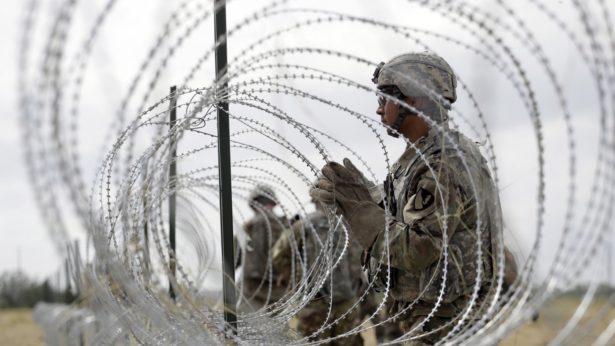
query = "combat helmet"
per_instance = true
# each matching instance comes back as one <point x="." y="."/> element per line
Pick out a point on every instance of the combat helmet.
<point x="262" y="194"/>
<point x="417" y="74"/>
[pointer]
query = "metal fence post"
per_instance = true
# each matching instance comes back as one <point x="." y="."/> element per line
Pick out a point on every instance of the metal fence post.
<point x="145" y="221"/>
<point x="224" y="167"/>
<point x="67" y="292"/>
<point x="172" y="185"/>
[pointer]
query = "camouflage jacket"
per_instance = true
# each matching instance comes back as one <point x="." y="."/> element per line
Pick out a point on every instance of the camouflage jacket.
<point x="433" y="205"/>
<point x="347" y="275"/>
<point x="263" y="231"/>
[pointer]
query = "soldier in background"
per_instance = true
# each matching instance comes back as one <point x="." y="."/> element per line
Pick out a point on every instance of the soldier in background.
<point x="434" y="193"/>
<point x="259" y="278"/>
<point x="510" y="270"/>
<point x="342" y="294"/>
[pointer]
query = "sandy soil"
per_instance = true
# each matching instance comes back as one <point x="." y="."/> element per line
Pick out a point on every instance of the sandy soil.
<point x="17" y="328"/>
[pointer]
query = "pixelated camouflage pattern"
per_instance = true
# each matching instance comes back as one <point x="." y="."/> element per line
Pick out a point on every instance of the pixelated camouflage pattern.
<point x="416" y="237"/>
<point x="264" y="229"/>
<point x="314" y="315"/>
<point x="431" y="324"/>
<point x="347" y="276"/>
<point x="388" y="330"/>
<point x="422" y="67"/>
<point x="255" y="293"/>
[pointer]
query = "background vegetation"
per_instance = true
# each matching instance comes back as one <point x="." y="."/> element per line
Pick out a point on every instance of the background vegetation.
<point x="17" y="290"/>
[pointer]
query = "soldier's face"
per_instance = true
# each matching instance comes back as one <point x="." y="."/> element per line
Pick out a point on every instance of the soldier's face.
<point x="387" y="111"/>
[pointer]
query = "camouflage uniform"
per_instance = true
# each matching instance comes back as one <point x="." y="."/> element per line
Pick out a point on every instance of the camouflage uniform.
<point x="416" y="231"/>
<point x="347" y="278"/>
<point x="435" y="204"/>
<point x="314" y="315"/>
<point x="387" y="331"/>
<point x="263" y="230"/>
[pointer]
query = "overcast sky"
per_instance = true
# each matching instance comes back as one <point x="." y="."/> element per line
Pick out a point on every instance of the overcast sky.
<point x="133" y="26"/>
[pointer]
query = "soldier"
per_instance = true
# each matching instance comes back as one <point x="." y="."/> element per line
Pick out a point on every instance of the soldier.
<point x="510" y="269"/>
<point x="259" y="280"/>
<point x="347" y="277"/>
<point x="440" y="197"/>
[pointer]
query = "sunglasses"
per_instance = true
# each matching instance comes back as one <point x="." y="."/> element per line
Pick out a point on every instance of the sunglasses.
<point x="393" y="92"/>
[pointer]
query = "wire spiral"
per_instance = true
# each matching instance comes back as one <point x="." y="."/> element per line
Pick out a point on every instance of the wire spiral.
<point x="300" y="96"/>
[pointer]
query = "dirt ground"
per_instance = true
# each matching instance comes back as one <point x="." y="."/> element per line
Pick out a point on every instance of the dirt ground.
<point x="551" y="320"/>
<point x="554" y="317"/>
<point x="17" y="327"/>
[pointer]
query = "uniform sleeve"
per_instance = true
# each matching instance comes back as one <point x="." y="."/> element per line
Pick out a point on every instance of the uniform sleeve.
<point x="282" y="250"/>
<point x="417" y="242"/>
<point x="237" y="250"/>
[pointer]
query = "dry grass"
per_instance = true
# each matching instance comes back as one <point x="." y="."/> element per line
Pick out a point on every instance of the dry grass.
<point x="553" y="318"/>
<point x="17" y="328"/>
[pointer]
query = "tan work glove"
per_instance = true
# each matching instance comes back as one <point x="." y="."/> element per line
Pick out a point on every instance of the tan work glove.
<point x="344" y="188"/>
<point x="374" y="190"/>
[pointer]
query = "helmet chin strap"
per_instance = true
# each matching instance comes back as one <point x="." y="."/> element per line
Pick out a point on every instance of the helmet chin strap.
<point x="404" y="112"/>
<point x="401" y="116"/>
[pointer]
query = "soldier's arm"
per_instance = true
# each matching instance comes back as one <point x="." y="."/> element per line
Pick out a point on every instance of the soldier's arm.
<point x="237" y="250"/>
<point x="282" y="251"/>
<point x="417" y="242"/>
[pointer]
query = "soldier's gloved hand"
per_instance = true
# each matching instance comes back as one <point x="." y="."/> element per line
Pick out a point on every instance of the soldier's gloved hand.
<point x="374" y="190"/>
<point x="344" y="189"/>
<point x="358" y="174"/>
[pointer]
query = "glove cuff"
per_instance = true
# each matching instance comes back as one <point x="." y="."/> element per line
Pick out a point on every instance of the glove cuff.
<point x="366" y="222"/>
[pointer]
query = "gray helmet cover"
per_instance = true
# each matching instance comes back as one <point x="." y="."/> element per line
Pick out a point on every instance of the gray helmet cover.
<point x="418" y="74"/>
<point x="426" y="71"/>
<point x="262" y="191"/>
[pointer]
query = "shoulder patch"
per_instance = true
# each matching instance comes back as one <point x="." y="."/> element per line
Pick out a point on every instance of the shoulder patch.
<point x="424" y="199"/>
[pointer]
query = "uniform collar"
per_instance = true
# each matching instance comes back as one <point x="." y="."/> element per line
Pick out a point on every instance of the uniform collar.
<point x="421" y="144"/>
